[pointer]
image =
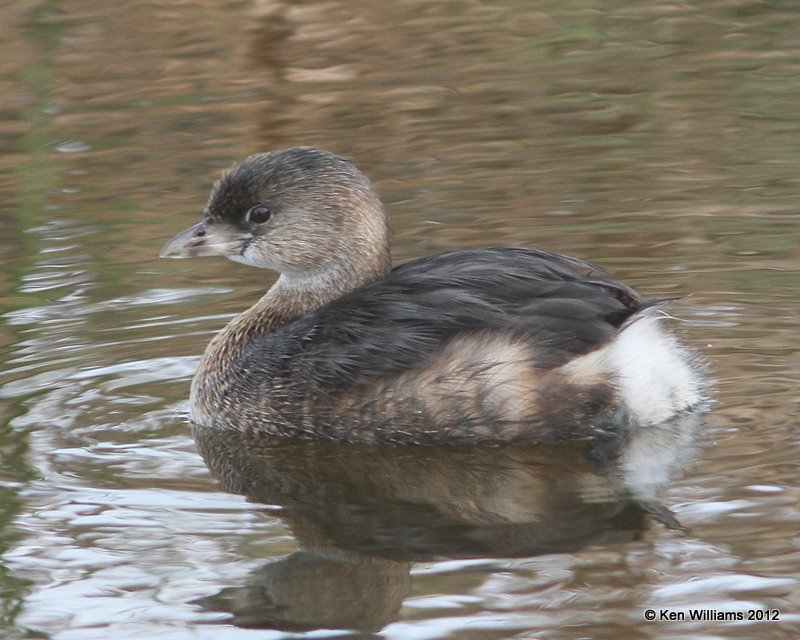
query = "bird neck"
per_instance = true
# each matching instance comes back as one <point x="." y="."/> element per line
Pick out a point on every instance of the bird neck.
<point x="295" y="295"/>
<point x="291" y="298"/>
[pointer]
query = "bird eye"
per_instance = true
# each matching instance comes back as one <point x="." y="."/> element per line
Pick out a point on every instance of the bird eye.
<point x="259" y="214"/>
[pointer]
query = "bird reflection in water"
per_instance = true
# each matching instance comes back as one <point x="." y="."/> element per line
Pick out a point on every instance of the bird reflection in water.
<point x="362" y="514"/>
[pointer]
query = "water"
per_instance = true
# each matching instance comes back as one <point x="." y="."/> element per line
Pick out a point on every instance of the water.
<point x="660" y="141"/>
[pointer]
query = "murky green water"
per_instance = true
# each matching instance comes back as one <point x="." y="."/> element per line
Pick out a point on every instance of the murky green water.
<point x="658" y="140"/>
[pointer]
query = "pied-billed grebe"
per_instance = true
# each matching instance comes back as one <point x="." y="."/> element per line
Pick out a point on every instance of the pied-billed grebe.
<point x="478" y="346"/>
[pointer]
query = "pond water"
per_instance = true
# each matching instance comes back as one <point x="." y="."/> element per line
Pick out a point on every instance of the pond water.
<point x="659" y="140"/>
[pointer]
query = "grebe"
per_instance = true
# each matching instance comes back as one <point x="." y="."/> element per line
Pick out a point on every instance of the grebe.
<point x="486" y="346"/>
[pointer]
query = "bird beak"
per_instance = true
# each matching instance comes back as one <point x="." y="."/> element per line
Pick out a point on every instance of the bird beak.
<point x="206" y="239"/>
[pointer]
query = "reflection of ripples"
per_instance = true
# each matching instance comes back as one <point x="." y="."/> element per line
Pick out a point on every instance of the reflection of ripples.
<point x="79" y="359"/>
<point x="75" y="378"/>
<point x="361" y="513"/>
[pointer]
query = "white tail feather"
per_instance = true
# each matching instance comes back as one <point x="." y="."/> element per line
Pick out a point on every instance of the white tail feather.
<point x="656" y="377"/>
